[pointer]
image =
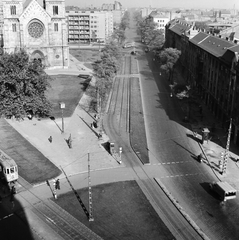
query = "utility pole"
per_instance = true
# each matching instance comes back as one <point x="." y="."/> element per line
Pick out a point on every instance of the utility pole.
<point x="91" y="219"/>
<point x="225" y="157"/>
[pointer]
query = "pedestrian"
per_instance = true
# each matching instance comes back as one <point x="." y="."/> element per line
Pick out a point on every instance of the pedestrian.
<point x="58" y="184"/>
<point x="50" y="139"/>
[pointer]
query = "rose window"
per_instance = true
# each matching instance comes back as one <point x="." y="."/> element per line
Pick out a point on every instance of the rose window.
<point x="35" y="29"/>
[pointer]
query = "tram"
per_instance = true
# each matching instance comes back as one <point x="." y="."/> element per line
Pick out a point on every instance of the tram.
<point x="8" y="169"/>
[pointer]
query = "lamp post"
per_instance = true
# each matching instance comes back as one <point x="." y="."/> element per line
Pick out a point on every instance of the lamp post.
<point x="62" y="106"/>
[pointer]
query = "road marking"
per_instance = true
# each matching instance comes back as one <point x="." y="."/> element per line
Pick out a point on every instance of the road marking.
<point x="168" y="163"/>
<point x="181" y="175"/>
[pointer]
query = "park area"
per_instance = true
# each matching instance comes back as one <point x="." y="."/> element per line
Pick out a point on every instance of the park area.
<point x="68" y="89"/>
<point x="86" y="56"/>
<point x="120" y="211"/>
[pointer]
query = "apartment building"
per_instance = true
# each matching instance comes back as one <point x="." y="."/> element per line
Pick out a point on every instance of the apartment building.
<point x="87" y="26"/>
<point x="161" y="20"/>
<point x="211" y="65"/>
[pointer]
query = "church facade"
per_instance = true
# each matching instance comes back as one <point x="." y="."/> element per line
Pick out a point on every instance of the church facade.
<point x="41" y="30"/>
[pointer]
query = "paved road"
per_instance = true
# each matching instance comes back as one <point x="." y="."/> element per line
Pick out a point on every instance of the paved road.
<point x="116" y="124"/>
<point x="171" y="152"/>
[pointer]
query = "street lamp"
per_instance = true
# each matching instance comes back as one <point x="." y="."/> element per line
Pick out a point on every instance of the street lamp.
<point x="62" y="106"/>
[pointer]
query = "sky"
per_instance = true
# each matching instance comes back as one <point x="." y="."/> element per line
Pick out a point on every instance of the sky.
<point x="208" y="4"/>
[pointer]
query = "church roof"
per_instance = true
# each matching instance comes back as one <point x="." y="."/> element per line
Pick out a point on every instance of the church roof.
<point x="27" y="2"/>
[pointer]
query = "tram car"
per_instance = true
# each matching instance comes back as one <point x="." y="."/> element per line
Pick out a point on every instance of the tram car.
<point x="8" y="169"/>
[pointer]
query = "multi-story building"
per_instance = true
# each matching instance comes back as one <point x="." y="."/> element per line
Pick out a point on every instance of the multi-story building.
<point x="40" y="30"/>
<point x="211" y="65"/>
<point x="160" y="19"/>
<point x="89" y="26"/>
<point x="112" y="6"/>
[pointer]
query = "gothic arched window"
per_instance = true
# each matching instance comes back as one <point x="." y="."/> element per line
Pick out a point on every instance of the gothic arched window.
<point x="13" y="10"/>
<point x="55" y="10"/>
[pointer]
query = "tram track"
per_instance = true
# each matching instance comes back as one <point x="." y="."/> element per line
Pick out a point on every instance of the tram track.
<point x="162" y="205"/>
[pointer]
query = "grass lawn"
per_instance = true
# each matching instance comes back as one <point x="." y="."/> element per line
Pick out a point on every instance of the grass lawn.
<point x="133" y="66"/>
<point x="120" y="211"/>
<point x="33" y="166"/>
<point x="137" y="127"/>
<point x="67" y="89"/>
<point x="85" y="55"/>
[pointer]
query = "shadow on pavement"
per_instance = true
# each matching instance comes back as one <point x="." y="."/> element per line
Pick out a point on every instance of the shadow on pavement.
<point x="14" y="223"/>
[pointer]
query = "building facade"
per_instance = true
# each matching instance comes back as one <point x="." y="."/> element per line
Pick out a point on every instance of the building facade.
<point x="40" y="30"/>
<point x="209" y="64"/>
<point x="89" y="26"/>
<point x="161" y="20"/>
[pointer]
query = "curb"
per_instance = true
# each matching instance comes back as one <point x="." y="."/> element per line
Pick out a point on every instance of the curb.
<point x="182" y="211"/>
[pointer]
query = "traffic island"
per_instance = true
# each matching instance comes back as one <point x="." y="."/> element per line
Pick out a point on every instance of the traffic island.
<point x="137" y="133"/>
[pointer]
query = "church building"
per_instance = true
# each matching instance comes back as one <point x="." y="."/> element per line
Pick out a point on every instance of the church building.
<point x="38" y="28"/>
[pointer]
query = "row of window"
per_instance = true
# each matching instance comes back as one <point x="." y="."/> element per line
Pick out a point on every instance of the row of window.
<point x="14" y="27"/>
<point x="13" y="10"/>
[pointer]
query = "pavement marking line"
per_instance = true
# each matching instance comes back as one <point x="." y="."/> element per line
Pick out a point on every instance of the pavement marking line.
<point x="168" y="163"/>
<point x="181" y="175"/>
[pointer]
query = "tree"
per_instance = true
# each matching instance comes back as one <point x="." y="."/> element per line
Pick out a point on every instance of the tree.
<point x="125" y="21"/>
<point x="168" y="58"/>
<point x="156" y="40"/>
<point x="23" y="86"/>
<point x="146" y="29"/>
<point x="106" y="68"/>
<point x="119" y="35"/>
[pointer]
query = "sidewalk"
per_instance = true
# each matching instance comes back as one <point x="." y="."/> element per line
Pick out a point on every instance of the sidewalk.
<point x="86" y="148"/>
<point x="85" y="142"/>
<point x="213" y="150"/>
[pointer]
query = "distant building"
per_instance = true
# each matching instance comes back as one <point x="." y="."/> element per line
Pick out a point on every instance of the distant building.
<point x="112" y="6"/>
<point x="116" y="9"/>
<point x="40" y="30"/>
<point x="160" y="19"/>
<point x="89" y="26"/>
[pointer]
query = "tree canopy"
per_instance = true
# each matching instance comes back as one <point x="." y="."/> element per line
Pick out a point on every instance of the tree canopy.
<point x="168" y="57"/>
<point x="150" y="35"/>
<point x="106" y="68"/>
<point x="23" y="86"/>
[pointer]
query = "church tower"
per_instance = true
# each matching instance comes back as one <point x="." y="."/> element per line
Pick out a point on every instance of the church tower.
<point x="41" y="31"/>
<point x="58" y="34"/>
<point x="11" y="28"/>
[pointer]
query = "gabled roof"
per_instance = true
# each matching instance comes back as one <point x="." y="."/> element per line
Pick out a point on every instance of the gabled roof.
<point x="214" y="45"/>
<point x="230" y="54"/>
<point x="198" y="38"/>
<point x="27" y="2"/>
<point x="160" y="16"/>
<point x="180" y="28"/>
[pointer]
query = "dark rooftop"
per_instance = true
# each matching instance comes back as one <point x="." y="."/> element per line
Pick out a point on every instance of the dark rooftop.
<point x="198" y="38"/>
<point x="180" y="28"/>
